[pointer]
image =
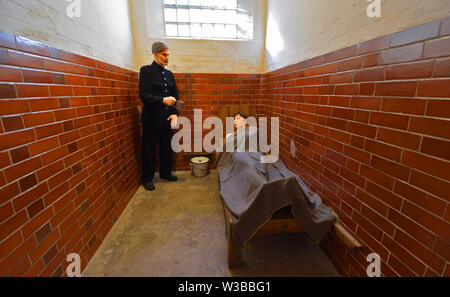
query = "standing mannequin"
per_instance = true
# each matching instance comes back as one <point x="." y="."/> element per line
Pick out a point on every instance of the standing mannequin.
<point x="159" y="93"/>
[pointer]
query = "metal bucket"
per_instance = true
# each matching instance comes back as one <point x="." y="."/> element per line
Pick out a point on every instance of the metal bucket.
<point x="200" y="166"/>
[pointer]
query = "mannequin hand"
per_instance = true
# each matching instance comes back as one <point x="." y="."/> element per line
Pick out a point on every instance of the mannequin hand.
<point x="169" y="101"/>
<point x="173" y="120"/>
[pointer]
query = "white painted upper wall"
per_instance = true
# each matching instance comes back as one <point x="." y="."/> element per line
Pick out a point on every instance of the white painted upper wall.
<point x="103" y="30"/>
<point x="120" y="32"/>
<point x="199" y="56"/>
<point x="298" y="30"/>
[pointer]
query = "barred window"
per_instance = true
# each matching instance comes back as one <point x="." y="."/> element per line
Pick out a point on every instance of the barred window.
<point x="207" y="19"/>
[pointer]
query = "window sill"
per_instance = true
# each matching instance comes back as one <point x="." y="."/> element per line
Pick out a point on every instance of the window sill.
<point x="207" y="39"/>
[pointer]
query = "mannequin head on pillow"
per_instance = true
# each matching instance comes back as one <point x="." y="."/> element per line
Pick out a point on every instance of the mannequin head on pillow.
<point x="240" y="120"/>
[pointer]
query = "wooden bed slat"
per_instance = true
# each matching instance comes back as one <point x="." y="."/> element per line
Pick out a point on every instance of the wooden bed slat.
<point x="348" y="240"/>
<point x="281" y="226"/>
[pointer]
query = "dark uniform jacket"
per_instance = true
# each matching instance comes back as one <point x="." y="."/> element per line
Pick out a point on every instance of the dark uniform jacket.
<point x="156" y="83"/>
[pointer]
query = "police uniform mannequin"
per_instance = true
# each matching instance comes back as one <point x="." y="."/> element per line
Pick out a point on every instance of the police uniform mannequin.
<point x="159" y="93"/>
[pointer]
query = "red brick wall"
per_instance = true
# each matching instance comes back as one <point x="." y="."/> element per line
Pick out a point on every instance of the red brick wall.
<point x="69" y="133"/>
<point x="371" y="126"/>
<point x="209" y="91"/>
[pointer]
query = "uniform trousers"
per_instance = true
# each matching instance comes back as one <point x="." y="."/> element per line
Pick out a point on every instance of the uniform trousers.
<point x="151" y="138"/>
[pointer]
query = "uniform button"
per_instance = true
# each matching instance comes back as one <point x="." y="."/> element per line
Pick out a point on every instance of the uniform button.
<point x="165" y="85"/>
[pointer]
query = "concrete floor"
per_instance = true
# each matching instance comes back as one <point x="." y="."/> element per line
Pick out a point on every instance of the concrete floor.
<point x="179" y="231"/>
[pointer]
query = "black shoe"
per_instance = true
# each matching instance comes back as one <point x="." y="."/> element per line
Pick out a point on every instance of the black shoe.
<point x="149" y="186"/>
<point x="171" y="178"/>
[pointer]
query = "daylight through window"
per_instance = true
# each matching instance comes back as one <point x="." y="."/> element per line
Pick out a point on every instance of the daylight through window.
<point x="207" y="19"/>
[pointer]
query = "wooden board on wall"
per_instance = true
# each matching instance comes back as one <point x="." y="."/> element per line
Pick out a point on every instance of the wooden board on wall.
<point x="229" y="110"/>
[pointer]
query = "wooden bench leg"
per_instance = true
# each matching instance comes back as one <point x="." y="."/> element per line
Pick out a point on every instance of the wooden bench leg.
<point x="231" y="256"/>
<point x="234" y="259"/>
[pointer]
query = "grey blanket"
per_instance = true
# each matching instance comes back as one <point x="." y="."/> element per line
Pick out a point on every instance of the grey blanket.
<point x="254" y="191"/>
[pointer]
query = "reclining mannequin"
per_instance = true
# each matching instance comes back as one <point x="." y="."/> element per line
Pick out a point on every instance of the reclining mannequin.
<point x="253" y="191"/>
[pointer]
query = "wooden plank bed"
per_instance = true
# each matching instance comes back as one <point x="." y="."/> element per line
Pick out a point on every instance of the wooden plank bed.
<point x="282" y="220"/>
